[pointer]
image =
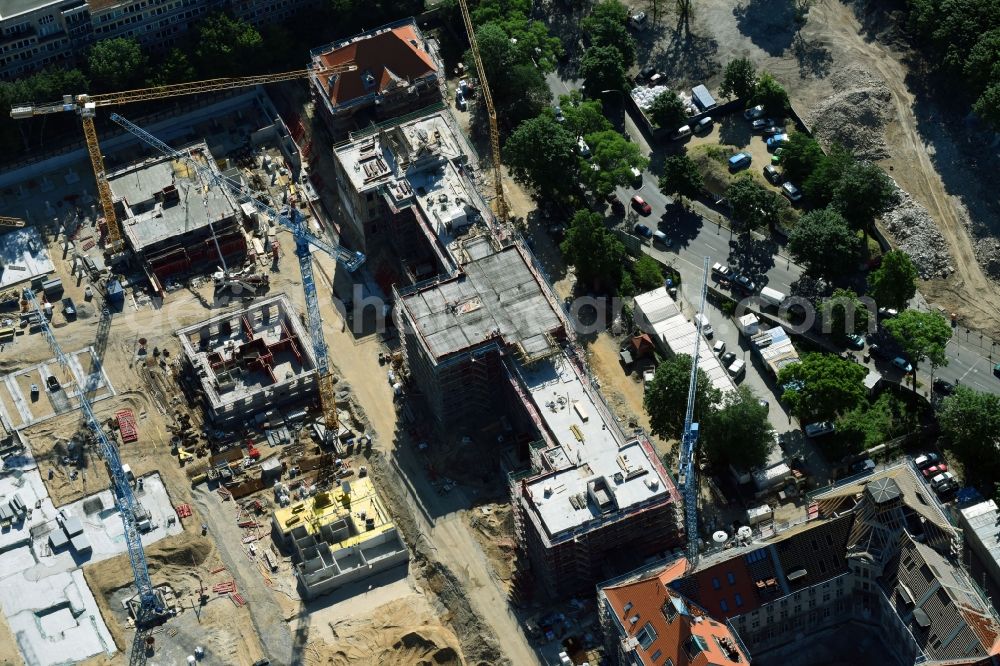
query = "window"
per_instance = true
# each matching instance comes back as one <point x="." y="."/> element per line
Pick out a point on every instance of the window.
<point x="739" y="600"/>
<point x="822" y="567"/>
<point x="724" y="605"/>
<point x="656" y="656"/>
<point x="628" y="607"/>
<point x="716" y="584"/>
<point x="646" y="636"/>
<point x="755" y="624"/>
<point x="731" y="578"/>
<point x="826" y="596"/>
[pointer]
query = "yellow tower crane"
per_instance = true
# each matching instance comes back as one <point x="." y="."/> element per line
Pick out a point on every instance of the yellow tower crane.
<point x="86" y="106"/>
<point x="491" y="112"/>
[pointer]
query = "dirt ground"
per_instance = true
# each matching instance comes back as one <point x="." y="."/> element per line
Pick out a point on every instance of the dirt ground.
<point x="831" y="39"/>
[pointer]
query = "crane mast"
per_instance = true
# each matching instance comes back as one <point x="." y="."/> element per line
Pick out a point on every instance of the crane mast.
<point x="687" y="474"/>
<point x="303" y="239"/>
<point x="86" y="106"/>
<point x="491" y="112"/>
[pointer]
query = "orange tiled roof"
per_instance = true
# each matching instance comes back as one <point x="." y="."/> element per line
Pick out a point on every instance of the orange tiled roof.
<point x="394" y="54"/>
<point x="650" y="600"/>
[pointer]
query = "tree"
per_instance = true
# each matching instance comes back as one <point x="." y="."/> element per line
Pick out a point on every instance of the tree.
<point x="844" y="302"/>
<point x="615" y="157"/>
<point x="863" y="193"/>
<point x="666" y="396"/>
<point x="771" y="95"/>
<point x="983" y="64"/>
<point x="821" y="184"/>
<point x="970" y="423"/>
<point x="116" y="64"/>
<point x="602" y="68"/>
<point x="823" y="385"/>
<point x="894" y="282"/>
<point x="583" y="116"/>
<point x="739" y="79"/>
<point x="681" y="177"/>
<point x="606" y="26"/>
<point x="987" y="106"/>
<point x="872" y="424"/>
<point x="541" y="154"/>
<point x="822" y="241"/>
<point x="175" y="68"/>
<point x="595" y="253"/>
<point x="738" y="432"/>
<point x="667" y="110"/>
<point x="646" y="273"/>
<point x="524" y="96"/>
<point x="226" y="46"/>
<point x="922" y="335"/>
<point x="800" y="157"/>
<point x="752" y="205"/>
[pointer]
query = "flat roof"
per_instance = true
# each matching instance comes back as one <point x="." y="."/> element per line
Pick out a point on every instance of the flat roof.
<point x="590" y="447"/>
<point x="982" y="521"/>
<point x="665" y="322"/>
<point x="497" y="295"/>
<point x="779" y="352"/>
<point x="23" y="257"/>
<point x="11" y="8"/>
<point x="325" y="508"/>
<point x="148" y="221"/>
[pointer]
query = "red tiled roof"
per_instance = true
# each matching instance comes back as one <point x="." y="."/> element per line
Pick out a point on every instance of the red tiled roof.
<point x="647" y="600"/>
<point x="712" y="588"/>
<point x="396" y="53"/>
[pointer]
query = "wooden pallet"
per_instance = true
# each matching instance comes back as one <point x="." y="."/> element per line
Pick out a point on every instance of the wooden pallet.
<point x="127" y="425"/>
<point x="183" y="510"/>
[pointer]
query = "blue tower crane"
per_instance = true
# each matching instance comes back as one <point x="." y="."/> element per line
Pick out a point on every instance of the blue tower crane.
<point x="350" y="260"/>
<point x="687" y="475"/>
<point x="150" y="605"/>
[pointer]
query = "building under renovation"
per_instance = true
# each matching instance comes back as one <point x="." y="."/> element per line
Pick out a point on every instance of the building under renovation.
<point x="339" y="537"/>
<point x="398" y="70"/>
<point x="173" y="220"/>
<point x="251" y="360"/>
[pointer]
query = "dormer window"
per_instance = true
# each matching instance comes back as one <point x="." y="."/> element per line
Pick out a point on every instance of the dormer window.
<point x="368" y="79"/>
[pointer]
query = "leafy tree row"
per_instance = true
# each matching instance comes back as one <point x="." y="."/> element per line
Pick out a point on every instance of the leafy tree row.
<point x="600" y="259"/>
<point x="741" y="80"/>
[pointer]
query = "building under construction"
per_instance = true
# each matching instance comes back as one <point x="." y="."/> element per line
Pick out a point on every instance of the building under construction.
<point x="174" y="220"/>
<point x="251" y="360"/>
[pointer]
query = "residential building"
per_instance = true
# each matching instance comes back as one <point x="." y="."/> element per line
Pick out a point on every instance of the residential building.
<point x="398" y="70"/>
<point x="876" y="559"/>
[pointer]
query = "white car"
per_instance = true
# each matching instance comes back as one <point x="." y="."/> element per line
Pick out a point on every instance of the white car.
<point x="941" y="478"/>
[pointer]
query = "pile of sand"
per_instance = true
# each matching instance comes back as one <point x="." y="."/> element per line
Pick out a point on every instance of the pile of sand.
<point x="856" y="114"/>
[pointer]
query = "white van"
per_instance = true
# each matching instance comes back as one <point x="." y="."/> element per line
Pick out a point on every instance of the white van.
<point x="738" y="369"/>
<point x="773" y="297"/>
<point x="706" y="326"/>
<point x="682" y="131"/>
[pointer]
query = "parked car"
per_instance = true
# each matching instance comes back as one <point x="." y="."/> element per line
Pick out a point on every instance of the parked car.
<point x="934" y="470"/>
<point x="460" y="102"/>
<point x="744" y="284"/>
<point x="761" y="124"/>
<point x="727" y="359"/>
<point x="582" y="146"/>
<point x="721" y="271"/>
<point x="887" y="313"/>
<point x="662" y="239"/>
<point x="643" y="231"/>
<point x="560" y="118"/>
<point x="640" y="205"/>
<point x="772" y="175"/>
<point x="819" y="429"/>
<point x="719" y="347"/>
<point x="791" y="192"/>
<point x="866" y="466"/>
<point x="776" y="156"/>
<point x="776" y="140"/>
<point x="637" y="21"/>
<point x="941" y="478"/>
<point x="740" y="161"/>
<point x="52" y="383"/>
<point x="704" y="125"/>
<point x="879" y="351"/>
<point x="69" y="308"/>
<point x="855" y="341"/>
<point x="754" y="113"/>
<point x="946" y="488"/>
<point x="901" y="363"/>
<point x="943" y="387"/>
<point x="647" y="376"/>
<point x="926" y="460"/>
<point x="771" y="130"/>
<point x="645" y="73"/>
<point x="34" y="392"/>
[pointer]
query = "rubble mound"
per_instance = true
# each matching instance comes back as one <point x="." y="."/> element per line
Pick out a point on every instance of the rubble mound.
<point x="916" y="234"/>
<point x="856" y="114"/>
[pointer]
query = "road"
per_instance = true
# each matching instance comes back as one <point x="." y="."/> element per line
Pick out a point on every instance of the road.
<point x="703" y="232"/>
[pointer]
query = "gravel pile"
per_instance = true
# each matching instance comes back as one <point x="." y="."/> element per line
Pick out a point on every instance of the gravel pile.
<point x="916" y="234"/>
<point x="855" y="115"/>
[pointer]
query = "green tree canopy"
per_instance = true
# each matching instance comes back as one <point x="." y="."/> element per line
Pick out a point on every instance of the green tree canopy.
<point x="738" y="432"/>
<point x="983" y="64"/>
<point x="824" y="385"/>
<point x="894" y="282"/>
<point x="602" y="68"/>
<point x="987" y="106"/>
<point x="541" y="154"/>
<point x="667" y="111"/>
<point x="922" y="335"/>
<point x="752" y="205"/>
<point x="970" y="423"/>
<point x="872" y="424"/>
<point x="739" y="80"/>
<point x="583" y="116"/>
<point x="821" y="184"/>
<point x="844" y="302"/>
<point x="824" y="244"/>
<point x="647" y="273"/>
<point x="800" y="157"/>
<point x="116" y="64"/>
<point x="227" y="46"/>
<point x="863" y="193"/>
<point x="681" y="177"/>
<point x="175" y="67"/>
<point x="771" y="95"/>
<point x="595" y="253"/>
<point x="666" y="396"/>
<point x="606" y="26"/>
<point x="614" y="157"/>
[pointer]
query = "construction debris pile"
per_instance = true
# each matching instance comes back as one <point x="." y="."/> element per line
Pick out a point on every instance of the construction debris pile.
<point x="915" y="233"/>
<point x="856" y="114"/>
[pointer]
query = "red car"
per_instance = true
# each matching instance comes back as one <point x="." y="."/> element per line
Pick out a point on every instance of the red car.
<point x="640" y="205"/>
<point x="934" y="470"/>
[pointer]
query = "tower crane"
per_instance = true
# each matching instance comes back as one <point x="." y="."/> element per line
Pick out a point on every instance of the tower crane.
<point x="351" y="260"/>
<point x="491" y="112"/>
<point x="86" y="106"/>
<point x="11" y="221"/>
<point x="687" y="475"/>
<point x="150" y="605"/>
